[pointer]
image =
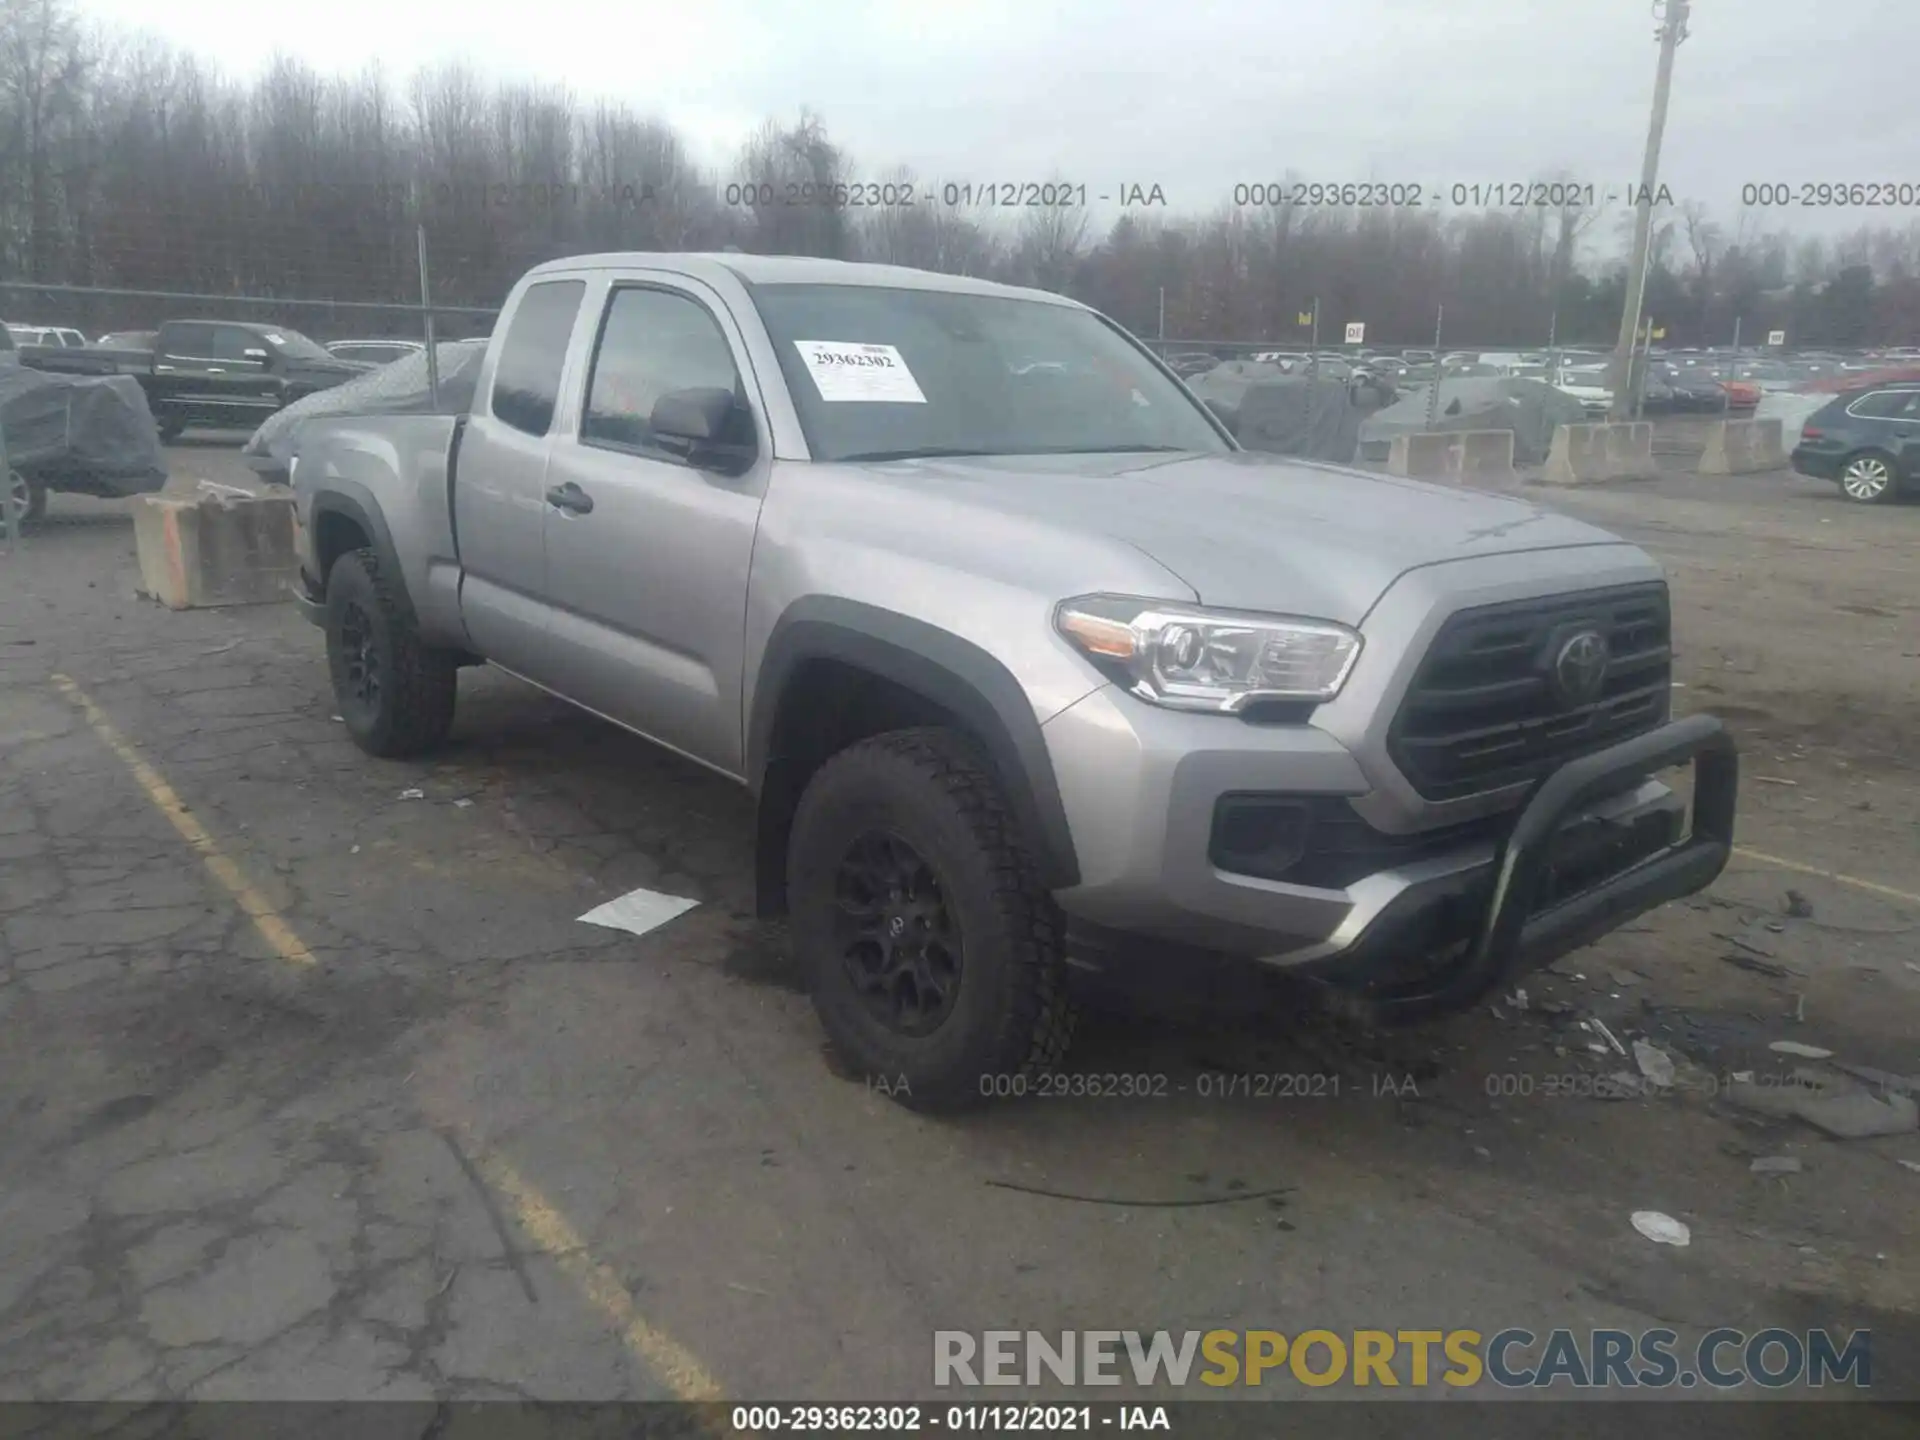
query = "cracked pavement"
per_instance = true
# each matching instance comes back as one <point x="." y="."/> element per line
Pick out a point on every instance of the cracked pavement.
<point x="225" y="1176"/>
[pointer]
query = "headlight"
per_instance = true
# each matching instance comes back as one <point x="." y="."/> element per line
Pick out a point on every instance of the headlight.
<point x="1189" y="658"/>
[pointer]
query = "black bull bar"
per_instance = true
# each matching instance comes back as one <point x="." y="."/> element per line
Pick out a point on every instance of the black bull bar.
<point x="1516" y="935"/>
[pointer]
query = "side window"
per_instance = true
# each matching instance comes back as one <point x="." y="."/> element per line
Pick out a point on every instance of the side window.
<point x="526" y="382"/>
<point x="1883" y="405"/>
<point x="654" y="342"/>
<point x="231" y="344"/>
<point x="187" y="341"/>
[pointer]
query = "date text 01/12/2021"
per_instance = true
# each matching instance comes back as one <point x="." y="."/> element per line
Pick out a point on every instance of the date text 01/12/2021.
<point x="911" y="1419"/>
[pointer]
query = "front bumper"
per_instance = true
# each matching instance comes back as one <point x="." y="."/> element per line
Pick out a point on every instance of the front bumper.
<point x="1595" y="844"/>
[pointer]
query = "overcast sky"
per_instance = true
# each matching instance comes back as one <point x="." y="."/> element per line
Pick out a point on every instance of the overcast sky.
<point x="1193" y="95"/>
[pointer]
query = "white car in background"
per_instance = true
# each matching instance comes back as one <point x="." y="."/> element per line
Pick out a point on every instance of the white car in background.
<point x="1589" y="386"/>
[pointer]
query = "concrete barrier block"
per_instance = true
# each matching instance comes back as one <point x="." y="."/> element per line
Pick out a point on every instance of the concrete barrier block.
<point x="215" y="549"/>
<point x="1486" y="455"/>
<point x="1595" y="453"/>
<point x="1452" y="456"/>
<point x="1743" y="447"/>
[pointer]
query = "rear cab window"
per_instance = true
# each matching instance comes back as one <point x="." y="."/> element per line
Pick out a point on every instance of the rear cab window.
<point x="526" y="379"/>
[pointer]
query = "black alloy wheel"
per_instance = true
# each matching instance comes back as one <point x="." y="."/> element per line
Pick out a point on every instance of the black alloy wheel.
<point x="895" y="935"/>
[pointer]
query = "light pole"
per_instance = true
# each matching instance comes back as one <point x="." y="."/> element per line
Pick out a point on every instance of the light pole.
<point x="1673" y="29"/>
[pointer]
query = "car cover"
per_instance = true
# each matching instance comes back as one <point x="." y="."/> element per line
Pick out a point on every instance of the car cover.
<point x="1531" y="409"/>
<point x="1295" y="415"/>
<point x="397" y="389"/>
<point x="92" y="432"/>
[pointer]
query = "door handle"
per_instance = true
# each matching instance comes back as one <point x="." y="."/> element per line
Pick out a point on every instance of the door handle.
<point x="570" y="497"/>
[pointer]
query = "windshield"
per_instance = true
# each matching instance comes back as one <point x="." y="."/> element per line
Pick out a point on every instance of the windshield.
<point x="295" y="346"/>
<point x="881" y="373"/>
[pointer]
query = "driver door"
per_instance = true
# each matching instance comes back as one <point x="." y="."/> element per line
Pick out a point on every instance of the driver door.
<point x="647" y="555"/>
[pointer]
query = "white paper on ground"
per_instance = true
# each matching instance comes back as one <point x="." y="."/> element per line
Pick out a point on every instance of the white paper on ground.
<point x="638" y="911"/>
<point x="849" y="370"/>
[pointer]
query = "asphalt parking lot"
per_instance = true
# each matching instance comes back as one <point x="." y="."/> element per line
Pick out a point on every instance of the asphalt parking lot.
<point x="313" y="1087"/>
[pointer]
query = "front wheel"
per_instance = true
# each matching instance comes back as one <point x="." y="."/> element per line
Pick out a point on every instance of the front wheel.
<point x="935" y="955"/>
<point x="1867" y="478"/>
<point x="395" y="693"/>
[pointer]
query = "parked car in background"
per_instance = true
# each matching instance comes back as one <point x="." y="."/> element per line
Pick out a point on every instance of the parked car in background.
<point x="375" y="352"/>
<point x="55" y="335"/>
<point x="1587" y="385"/>
<point x="220" y="374"/>
<point x="1694" y="393"/>
<point x="1185" y="363"/>
<point x="1741" y="394"/>
<point x="1868" y="440"/>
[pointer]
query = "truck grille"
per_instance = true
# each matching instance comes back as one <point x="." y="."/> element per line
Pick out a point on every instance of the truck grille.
<point x="1484" y="712"/>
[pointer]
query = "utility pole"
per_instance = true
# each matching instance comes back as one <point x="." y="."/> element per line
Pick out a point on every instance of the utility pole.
<point x="1673" y="29"/>
<point x="1313" y="360"/>
<point x="1433" y="389"/>
<point x="1163" y="317"/>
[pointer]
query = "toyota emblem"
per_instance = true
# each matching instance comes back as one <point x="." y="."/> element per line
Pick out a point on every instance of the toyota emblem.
<point x="1580" y="668"/>
<point x="897" y="926"/>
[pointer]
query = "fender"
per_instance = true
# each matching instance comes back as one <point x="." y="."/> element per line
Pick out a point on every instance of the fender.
<point x="938" y="665"/>
<point x="353" y="501"/>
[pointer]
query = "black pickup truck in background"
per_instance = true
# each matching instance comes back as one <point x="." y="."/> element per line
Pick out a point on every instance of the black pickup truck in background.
<point x="220" y="374"/>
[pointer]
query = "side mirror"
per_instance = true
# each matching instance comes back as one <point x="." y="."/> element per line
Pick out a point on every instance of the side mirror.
<point x="700" y="423"/>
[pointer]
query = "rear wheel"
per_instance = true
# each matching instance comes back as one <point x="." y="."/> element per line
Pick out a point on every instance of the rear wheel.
<point x="29" y="497"/>
<point x="172" y="430"/>
<point x="935" y="955"/>
<point x="1867" y="478"/>
<point x="395" y="693"/>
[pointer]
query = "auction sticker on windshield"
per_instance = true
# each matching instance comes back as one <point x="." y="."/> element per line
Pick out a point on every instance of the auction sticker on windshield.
<point x="848" y="370"/>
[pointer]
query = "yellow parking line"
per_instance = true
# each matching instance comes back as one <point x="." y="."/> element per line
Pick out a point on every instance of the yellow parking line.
<point x="275" y="931"/>
<point x="550" y="1231"/>
<point x="1868" y="885"/>
<point x="671" y="1361"/>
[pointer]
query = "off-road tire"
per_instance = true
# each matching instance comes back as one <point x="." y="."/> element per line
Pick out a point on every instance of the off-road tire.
<point x="413" y="709"/>
<point x="1011" y="1019"/>
<point x="171" y="431"/>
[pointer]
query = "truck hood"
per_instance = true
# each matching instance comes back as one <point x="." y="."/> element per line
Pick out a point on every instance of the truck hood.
<point x="1248" y="531"/>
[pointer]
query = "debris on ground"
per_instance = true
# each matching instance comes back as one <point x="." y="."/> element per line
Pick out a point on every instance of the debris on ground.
<point x="1844" y="1110"/>
<point x="1654" y="1063"/>
<point x="1661" y="1229"/>
<point x="1885" y="1080"/>
<point x="1805" y="1052"/>
<point x="1623" y="978"/>
<point x="1758" y="966"/>
<point x="1777" y="1165"/>
<point x="1913" y="1165"/>
<point x="1798" y="906"/>
<point x="462" y="804"/>
<point x="1607" y="1035"/>
<point x="413" y="794"/>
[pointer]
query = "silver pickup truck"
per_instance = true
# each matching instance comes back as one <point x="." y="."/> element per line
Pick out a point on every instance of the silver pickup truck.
<point x="1027" y="666"/>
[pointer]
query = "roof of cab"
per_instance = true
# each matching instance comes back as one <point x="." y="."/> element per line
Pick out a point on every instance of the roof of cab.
<point x="795" y="270"/>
